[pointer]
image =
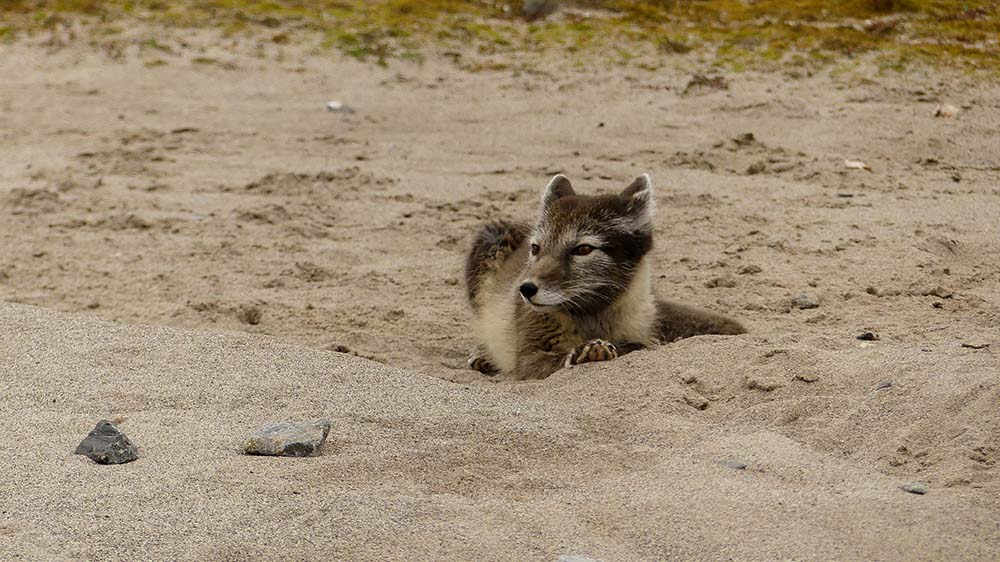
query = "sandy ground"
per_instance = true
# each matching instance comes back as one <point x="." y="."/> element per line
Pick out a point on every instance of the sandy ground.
<point x="223" y="197"/>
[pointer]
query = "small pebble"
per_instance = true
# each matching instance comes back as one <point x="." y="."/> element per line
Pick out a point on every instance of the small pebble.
<point x="696" y="402"/>
<point x="868" y="336"/>
<point x="735" y="465"/>
<point x="808" y="377"/>
<point x="803" y="302"/>
<point x="945" y="110"/>
<point x="883" y="385"/>
<point x="749" y="269"/>
<point x="338" y="107"/>
<point x="915" y="488"/>
<point x="289" y="439"/>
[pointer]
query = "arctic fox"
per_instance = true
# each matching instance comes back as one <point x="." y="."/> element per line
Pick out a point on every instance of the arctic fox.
<point x="574" y="289"/>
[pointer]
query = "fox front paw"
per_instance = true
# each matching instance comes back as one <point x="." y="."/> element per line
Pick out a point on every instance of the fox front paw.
<point x="591" y="351"/>
<point x="477" y="363"/>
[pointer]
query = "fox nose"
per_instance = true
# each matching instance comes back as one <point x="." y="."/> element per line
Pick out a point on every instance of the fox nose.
<point x="528" y="289"/>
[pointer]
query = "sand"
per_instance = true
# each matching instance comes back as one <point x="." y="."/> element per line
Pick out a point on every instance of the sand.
<point x="213" y="250"/>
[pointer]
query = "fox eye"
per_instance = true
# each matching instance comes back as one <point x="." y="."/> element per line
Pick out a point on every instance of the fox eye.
<point x="534" y="249"/>
<point x="582" y="250"/>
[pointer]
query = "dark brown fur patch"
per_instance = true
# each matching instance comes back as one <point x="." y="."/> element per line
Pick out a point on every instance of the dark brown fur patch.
<point x="494" y="243"/>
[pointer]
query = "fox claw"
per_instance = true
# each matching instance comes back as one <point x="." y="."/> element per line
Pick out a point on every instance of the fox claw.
<point x="592" y="351"/>
<point x="477" y="363"/>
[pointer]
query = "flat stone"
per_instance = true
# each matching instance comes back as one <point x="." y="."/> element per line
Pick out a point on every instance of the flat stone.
<point x="882" y="385"/>
<point x="106" y="445"/>
<point x="807" y="377"/>
<point x="915" y="488"/>
<point x="289" y="438"/>
<point x="735" y="465"/>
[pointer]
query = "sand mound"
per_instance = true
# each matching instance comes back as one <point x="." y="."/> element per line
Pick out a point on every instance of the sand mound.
<point x="613" y="461"/>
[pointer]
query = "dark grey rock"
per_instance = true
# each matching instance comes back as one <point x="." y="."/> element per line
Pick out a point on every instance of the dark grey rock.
<point x="803" y="302"/>
<point x="868" y="336"/>
<point x="696" y="402"/>
<point x="882" y="385"/>
<point x="735" y="465"/>
<point x="106" y="445"/>
<point x="918" y="488"/>
<point x="289" y="438"/>
<point x="538" y="9"/>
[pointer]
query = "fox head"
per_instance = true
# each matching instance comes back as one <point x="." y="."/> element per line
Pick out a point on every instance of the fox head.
<point x="586" y="250"/>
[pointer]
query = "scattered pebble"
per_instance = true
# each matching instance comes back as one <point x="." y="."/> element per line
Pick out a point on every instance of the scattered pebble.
<point x="451" y="281"/>
<point x="289" y="438"/>
<point x="976" y="345"/>
<point x="803" y="302"/>
<point x="869" y="336"/>
<point x="808" y="377"/>
<point x="882" y="385"/>
<point x="946" y="110"/>
<point x="857" y="165"/>
<point x="338" y="107"/>
<point x="696" y="402"/>
<point x="735" y="465"/>
<point x="749" y="269"/>
<point x="106" y="445"/>
<point x="915" y="488"/>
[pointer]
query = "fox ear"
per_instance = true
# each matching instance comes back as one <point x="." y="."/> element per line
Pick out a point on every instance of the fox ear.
<point x="559" y="186"/>
<point x="639" y="195"/>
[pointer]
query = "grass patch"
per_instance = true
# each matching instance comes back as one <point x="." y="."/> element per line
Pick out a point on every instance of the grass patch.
<point x="758" y="34"/>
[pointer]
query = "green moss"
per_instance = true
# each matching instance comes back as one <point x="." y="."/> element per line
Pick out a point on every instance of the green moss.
<point x="760" y="34"/>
